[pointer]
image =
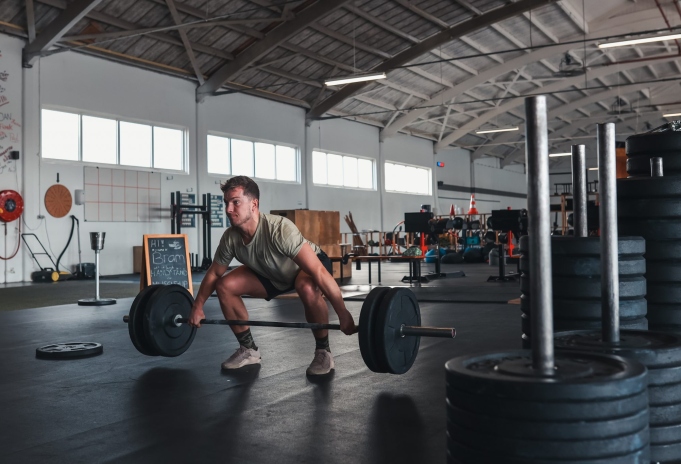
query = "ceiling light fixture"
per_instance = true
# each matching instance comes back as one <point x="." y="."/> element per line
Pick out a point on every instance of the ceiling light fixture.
<point x="490" y="131"/>
<point x="671" y="115"/>
<point x="351" y="79"/>
<point x="640" y="41"/>
<point x="556" y="155"/>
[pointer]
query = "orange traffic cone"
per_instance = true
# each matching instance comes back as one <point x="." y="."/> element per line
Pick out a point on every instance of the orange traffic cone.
<point x="473" y="209"/>
<point x="451" y="211"/>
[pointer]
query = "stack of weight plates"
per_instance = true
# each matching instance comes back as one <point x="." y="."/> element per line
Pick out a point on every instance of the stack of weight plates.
<point x="577" y="284"/>
<point x="592" y="409"/>
<point x="651" y="207"/>
<point x="661" y="353"/>
<point x="642" y="147"/>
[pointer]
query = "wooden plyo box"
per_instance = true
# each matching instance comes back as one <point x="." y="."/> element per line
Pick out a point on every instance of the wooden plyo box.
<point x="320" y="227"/>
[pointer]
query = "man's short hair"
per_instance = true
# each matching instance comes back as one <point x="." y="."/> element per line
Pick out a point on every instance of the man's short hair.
<point x="251" y="189"/>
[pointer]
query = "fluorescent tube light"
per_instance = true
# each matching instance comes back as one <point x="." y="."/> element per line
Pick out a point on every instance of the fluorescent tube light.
<point x="490" y="131"/>
<point x="671" y="115"/>
<point x="556" y="155"/>
<point x="659" y="38"/>
<point x="593" y="169"/>
<point x="351" y="79"/>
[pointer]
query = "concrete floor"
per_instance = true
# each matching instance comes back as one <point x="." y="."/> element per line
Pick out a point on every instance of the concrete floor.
<point x="125" y="407"/>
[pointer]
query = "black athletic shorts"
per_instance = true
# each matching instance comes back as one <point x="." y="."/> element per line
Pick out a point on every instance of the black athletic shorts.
<point x="273" y="291"/>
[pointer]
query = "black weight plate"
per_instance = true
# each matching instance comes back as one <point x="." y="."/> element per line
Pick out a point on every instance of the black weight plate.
<point x="663" y="395"/>
<point x="588" y="266"/>
<point x="649" y="208"/>
<point x="664" y="271"/>
<point x="654" y="143"/>
<point x="590" y="309"/>
<point x="651" y="229"/>
<point x="564" y="325"/>
<point x="578" y="376"/>
<point x="547" y="430"/>
<point x="670" y="414"/>
<point x="566" y="450"/>
<point x="576" y="287"/>
<point x="670" y="433"/>
<point x="664" y="376"/>
<point x="136" y="320"/>
<point x="663" y="249"/>
<point x="663" y="292"/>
<point x="639" y="166"/>
<point x="162" y="334"/>
<point x="461" y="454"/>
<point x="653" y="349"/>
<point x="648" y="187"/>
<point x="394" y="352"/>
<point x="71" y="350"/>
<point x="367" y="322"/>
<point x="587" y="246"/>
<point x="669" y="452"/>
<point x="664" y="314"/>
<point x="540" y="410"/>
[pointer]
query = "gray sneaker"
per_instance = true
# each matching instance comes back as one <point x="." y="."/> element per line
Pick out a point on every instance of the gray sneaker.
<point x="242" y="357"/>
<point x="321" y="364"/>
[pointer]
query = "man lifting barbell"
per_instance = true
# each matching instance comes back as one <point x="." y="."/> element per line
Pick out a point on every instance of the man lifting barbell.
<point x="276" y="259"/>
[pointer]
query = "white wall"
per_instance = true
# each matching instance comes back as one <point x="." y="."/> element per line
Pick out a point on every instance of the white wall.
<point x="96" y="86"/>
<point x="11" y="136"/>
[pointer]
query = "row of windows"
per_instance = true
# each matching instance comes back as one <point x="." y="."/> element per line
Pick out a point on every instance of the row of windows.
<point x="76" y="137"/>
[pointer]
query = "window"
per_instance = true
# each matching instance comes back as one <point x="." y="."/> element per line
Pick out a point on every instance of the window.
<point x="80" y="137"/>
<point x="229" y="156"/>
<point x="402" y="178"/>
<point x="342" y="170"/>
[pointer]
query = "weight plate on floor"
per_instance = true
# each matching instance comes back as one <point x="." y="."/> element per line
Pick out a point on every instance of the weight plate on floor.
<point x="581" y="287"/>
<point x="665" y="433"/>
<point x="662" y="395"/>
<point x="136" y="320"/>
<point x="669" y="414"/>
<point x="578" y="376"/>
<point x="639" y="166"/>
<point x="664" y="376"/>
<point x="70" y="350"/>
<point x="664" y="271"/>
<point x="162" y="334"/>
<point x="653" y="349"/>
<point x="667" y="452"/>
<point x="654" y="143"/>
<point x="397" y="353"/>
<point x="664" y="314"/>
<point x="367" y="324"/>
<point x="588" y="266"/>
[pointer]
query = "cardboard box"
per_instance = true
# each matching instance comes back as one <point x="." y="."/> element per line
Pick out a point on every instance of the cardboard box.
<point x="339" y="250"/>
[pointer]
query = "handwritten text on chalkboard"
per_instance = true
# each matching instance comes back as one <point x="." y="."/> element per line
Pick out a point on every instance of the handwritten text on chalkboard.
<point x="168" y="261"/>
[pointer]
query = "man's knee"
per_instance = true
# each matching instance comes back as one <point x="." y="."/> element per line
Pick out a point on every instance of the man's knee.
<point x="227" y="287"/>
<point x="307" y="289"/>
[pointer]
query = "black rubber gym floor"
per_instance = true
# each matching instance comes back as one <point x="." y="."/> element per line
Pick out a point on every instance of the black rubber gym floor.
<point x="125" y="407"/>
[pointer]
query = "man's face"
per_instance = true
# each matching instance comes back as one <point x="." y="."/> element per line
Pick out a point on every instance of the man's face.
<point x="238" y="207"/>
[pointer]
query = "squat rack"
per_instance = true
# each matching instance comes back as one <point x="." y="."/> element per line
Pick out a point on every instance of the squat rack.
<point x="178" y="210"/>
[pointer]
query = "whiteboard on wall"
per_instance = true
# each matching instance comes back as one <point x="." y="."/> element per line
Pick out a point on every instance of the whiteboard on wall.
<point x="120" y="195"/>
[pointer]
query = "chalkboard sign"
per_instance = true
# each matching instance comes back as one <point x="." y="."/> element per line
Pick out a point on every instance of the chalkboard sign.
<point x="166" y="261"/>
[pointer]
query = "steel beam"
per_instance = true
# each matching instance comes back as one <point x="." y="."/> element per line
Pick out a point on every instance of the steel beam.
<point x="57" y="28"/>
<point x="185" y="41"/>
<point x="271" y="41"/>
<point x="413" y="52"/>
<point x="30" y="20"/>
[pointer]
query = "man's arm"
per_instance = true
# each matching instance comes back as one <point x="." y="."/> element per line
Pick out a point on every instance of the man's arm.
<point x="308" y="261"/>
<point x="215" y="271"/>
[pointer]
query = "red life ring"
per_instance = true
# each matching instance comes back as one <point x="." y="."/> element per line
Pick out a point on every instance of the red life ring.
<point x="11" y="205"/>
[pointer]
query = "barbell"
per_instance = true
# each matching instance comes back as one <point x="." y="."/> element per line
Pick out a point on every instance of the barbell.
<point x="389" y="325"/>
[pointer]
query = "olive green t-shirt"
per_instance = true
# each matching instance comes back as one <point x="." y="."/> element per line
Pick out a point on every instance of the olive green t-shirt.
<point x="276" y="242"/>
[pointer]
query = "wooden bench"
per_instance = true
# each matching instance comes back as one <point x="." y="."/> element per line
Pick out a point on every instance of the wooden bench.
<point x="414" y="264"/>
